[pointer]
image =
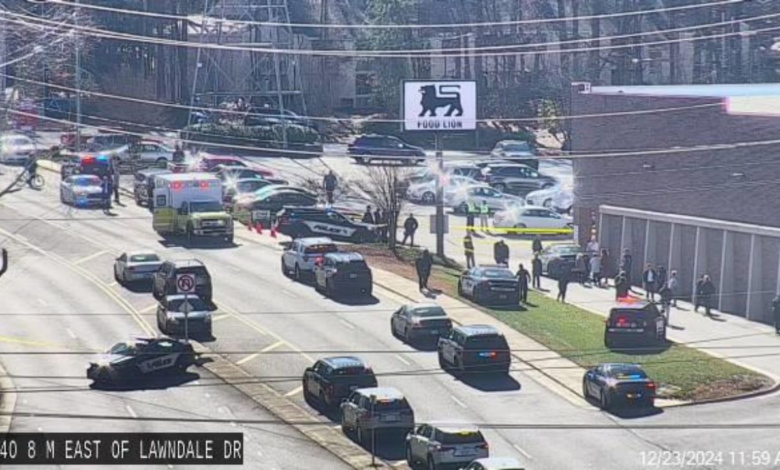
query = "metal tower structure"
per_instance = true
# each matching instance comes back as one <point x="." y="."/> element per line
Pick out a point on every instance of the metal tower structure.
<point x="259" y="78"/>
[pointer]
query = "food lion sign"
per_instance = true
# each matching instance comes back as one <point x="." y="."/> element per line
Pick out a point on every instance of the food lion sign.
<point x="440" y="105"/>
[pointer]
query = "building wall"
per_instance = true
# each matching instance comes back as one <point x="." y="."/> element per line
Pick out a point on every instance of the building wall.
<point x="730" y="183"/>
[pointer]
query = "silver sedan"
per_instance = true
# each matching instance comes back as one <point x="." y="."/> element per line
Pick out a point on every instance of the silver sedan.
<point x="136" y="266"/>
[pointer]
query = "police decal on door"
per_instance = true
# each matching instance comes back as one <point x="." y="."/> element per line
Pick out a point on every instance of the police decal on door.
<point x="158" y="363"/>
<point x="319" y="227"/>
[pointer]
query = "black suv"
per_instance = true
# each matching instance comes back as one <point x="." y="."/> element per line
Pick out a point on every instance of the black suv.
<point x="304" y="222"/>
<point x="164" y="282"/>
<point x="515" y="178"/>
<point x="332" y="379"/>
<point x="343" y="273"/>
<point x="474" y="348"/>
<point x="367" y="148"/>
<point x="635" y="322"/>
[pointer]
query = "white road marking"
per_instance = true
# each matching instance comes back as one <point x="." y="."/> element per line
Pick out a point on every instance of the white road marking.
<point x="131" y="411"/>
<point x="220" y="317"/>
<point x="463" y="405"/>
<point x="294" y="392"/>
<point x="401" y="358"/>
<point x="71" y="333"/>
<point x="21" y="237"/>
<point x="264" y="350"/>
<point x="520" y="449"/>
<point x="91" y="257"/>
<point x="148" y="309"/>
<point x="113" y="284"/>
<point x="347" y="324"/>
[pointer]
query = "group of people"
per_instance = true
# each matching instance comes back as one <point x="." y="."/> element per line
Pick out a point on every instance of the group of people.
<point x="484" y="216"/>
<point x="378" y="218"/>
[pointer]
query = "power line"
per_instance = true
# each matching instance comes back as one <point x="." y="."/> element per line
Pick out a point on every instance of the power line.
<point x="412" y="26"/>
<point x="426" y="53"/>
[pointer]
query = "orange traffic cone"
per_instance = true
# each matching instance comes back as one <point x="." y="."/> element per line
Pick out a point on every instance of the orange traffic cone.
<point x="273" y="232"/>
<point x="259" y="228"/>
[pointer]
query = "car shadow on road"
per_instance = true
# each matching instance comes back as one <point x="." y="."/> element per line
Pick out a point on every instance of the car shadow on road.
<point x="355" y="301"/>
<point x="138" y="287"/>
<point x="641" y="350"/>
<point x="388" y="447"/>
<point x="156" y="382"/>
<point x="200" y="245"/>
<point x="635" y="413"/>
<point x="487" y="382"/>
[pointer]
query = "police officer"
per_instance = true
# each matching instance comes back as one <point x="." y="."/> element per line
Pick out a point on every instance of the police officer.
<point x="468" y="247"/>
<point x="471" y="209"/>
<point x="32" y="170"/>
<point x="484" y="214"/>
<point x="329" y="182"/>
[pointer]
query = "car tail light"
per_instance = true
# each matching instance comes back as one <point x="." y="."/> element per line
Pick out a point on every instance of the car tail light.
<point x="131" y="268"/>
<point x="415" y="322"/>
<point x="651" y="385"/>
<point x="483" y="446"/>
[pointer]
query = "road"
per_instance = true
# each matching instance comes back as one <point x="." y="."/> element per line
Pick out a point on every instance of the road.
<point x="273" y="328"/>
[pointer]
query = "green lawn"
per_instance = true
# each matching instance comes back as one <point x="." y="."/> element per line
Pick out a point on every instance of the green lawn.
<point x="577" y="334"/>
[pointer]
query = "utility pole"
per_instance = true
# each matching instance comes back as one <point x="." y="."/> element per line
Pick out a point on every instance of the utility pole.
<point x="439" y="199"/>
<point x="78" y="75"/>
<point x="4" y="257"/>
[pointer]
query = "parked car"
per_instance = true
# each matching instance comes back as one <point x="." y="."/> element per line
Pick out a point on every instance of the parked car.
<point x="300" y="256"/>
<point x="343" y="273"/>
<point x="234" y="172"/>
<point x="368" y="148"/>
<point x="209" y="163"/>
<point x="515" y="178"/>
<point x="518" y="151"/>
<point x="264" y="205"/>
<point x="149" y="152"/>
<point x="380" y="410"/>
<point x="420" y="321"/>
<point x="474" y="348"/>
<point x="298" y="222"/>
<point x="233" y="189"/>
<point x="164" y="282"/>
<point x="16" y="148"/>
<point x="111" y="141"/>
<point x="141" y="182"/>
<point x="496" y="200"/>
<point x="135" y="266"/>
<point x="564" y="200"/>
<point x="531" y="217"/>
<point x="555" y="257"/>
<point x="425" y="192"/>
<point x="619" y="384"/>
<point x="333" y="379"/>
<point x="438" y="446"/>
<point x="82" y="191"/>
<point x="543" y="197"/>
<point x="490" y="285"/>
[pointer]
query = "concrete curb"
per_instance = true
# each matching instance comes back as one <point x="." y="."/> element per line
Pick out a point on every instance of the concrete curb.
<point x="7" y="401"/>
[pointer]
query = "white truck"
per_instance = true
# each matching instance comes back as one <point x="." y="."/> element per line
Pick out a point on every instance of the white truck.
<point x="190" y="204"/>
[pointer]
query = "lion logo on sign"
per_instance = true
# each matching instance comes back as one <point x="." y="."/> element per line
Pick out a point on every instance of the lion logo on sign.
<point x="431" y="101"/>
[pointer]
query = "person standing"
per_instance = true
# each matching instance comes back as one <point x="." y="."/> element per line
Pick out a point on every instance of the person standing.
<point x="698" y="294"/>
<point x="501" y="253"/>
<point x="468" y="248"/>
<point x="563" y="284"/>
<point x="106" y="193"/>
<point x="606" y="268"/>
<point x="708" y="293"/>
<point x="329" y="183"/>
<point x="776" y="313"/>
<point x="536" y="245"/>
<point x="484" y="216"/>
<point x="368" y="217"/>
<point x="622" y="287"/>
<point x="410" y="226"/>
<point x="178" y="154"/>
<point x="660" y="281"/>
<point x="523" y="277"/>
<point x="536" y="272"/>
<point x="378" y="221"/>
<point x="626" y="264"/>
<point x="595" y="269"/>
<point x="471" y="209"/>
<point x="649" y="279"/>
<point x="424" y="263"/>
<point x="116" y="176"/>
<point x="592" y="247"/>
<point x="666" y="301"/>
<point x="580" y="269"/>
<point x="674" y="285"/>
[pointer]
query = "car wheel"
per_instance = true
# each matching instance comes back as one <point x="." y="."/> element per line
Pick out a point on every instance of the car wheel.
<point x="547" y="186"/>
<point x="344" y="427"/>
<point x="285" y="272"/>
<point x="410" y="458"/>
<point x="307" y="397"/>
<point x="608" y="342"/>
<point x="116" y="276"/>
<point x="500" y="187"/>
<point x="361" y="437"/>
<point x="547" y="203"/>
<point x="520" y="226"/>
<point x="442" y="363"/>
<point x="229" y="239"/>
<point x="324" y="402"/>
<point x="161" y="163"/>
<point x="297" y="273"/>
<point x="62" y="197"/>
<point x="419" y="162"/>
<point x="431" y="464"/>
<point x="328" y="289"/>
<point x="407" y="337"/>
<point x="585" y="392"/>
<point x="605" y="402"/>
<point x="477" y="296"/>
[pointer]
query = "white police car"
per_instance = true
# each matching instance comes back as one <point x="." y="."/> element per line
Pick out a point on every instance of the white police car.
<point x="301" y="255"/>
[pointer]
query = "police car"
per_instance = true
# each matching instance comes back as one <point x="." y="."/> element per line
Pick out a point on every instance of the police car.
<point x="302" y="254"/>
<point x="140" y="357"/>
<point x="301" y="222"/>
<point x="619" y="384"/>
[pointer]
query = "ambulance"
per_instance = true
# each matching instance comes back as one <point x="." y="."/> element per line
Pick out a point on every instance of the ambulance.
<point x="190" y="204"/>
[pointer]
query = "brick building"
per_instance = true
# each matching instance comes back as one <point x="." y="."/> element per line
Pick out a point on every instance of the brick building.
<point x="690" y="179"/>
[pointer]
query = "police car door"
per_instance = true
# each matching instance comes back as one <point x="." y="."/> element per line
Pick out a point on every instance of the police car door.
<point x="155" y="357"/>
<point x="468" y="282"/>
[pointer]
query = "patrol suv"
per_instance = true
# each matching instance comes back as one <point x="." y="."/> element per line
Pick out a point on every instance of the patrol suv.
<point x="332" y="379"/>
<point x="343" y="274"/>
<point x="437" y="446"/>
<point x="299" y="222"/>
<point x="474" y="348"/>
<point x="380" y="410"/>
<point x="301" y="255"/>
<point x="164" y="282"/>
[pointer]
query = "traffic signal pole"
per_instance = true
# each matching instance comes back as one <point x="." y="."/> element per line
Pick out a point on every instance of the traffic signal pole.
<point x="439" y="198"/>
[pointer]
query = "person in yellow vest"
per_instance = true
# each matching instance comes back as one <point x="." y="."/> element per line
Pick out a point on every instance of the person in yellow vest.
<point x="471" y="210"/>
<point x="468" y="247"/>
<point x="484" y="215"/>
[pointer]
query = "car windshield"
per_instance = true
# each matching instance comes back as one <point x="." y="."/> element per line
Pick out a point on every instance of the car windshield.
<point x="206" y="206"/>
<point x="391" y="405"/>
<point x="518" y="147"/>
<point x="497" y="273"/>
<point x="627" y="371"/>
<point x="144" y="258"/>
<point x="324" y="248"/>
<point x="192" y="305"/>
<point x="428" y="312"/>
<point x="462" y="437"/>
<point x="86" y="181"/>
<point x="122" y="349"/>
<point x="18" y="141"/>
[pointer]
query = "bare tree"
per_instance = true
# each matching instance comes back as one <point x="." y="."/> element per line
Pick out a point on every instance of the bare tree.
<point x="383" y="186"/>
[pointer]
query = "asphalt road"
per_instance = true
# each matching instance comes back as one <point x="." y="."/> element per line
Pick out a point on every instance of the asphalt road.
<point x="273" y="328"/>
